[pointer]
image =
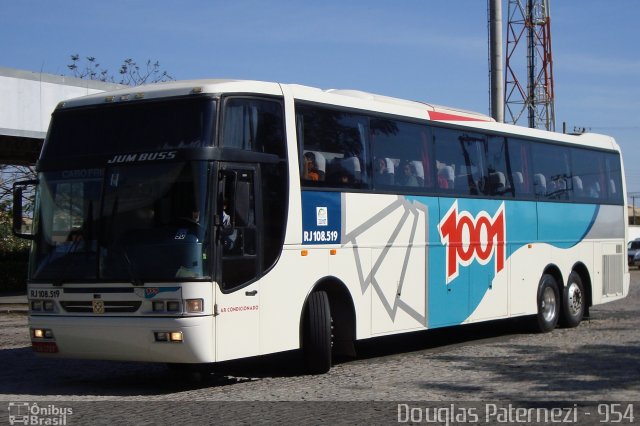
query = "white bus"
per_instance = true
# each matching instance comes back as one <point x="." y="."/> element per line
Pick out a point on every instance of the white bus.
<point x="203" y="221"/>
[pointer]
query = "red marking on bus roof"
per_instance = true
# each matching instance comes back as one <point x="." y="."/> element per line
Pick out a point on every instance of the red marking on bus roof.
<point x="443" y="116"/>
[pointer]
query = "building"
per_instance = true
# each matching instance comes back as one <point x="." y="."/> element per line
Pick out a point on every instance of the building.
<point x="27" y="100"/>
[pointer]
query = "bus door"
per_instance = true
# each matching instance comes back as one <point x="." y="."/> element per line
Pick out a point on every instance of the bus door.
<point x="237" y="260"/>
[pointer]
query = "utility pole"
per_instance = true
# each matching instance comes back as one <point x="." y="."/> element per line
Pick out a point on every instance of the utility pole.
<point x="496" y="87"/>
<point x="529" y="38"/>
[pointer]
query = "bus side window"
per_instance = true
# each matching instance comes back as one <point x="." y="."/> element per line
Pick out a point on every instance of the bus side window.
<point x="254" y="125"/>
<point x="464" y="153"/>
<point x="333" y="146"/>
<point x="401" y="152"/>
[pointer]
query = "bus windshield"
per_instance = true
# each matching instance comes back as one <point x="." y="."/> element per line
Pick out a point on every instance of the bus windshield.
<point x="143" y="126"/>
<point x="125" y="223"/>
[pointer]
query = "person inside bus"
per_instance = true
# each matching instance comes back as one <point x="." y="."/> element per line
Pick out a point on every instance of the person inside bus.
<point x="384" y="172"/>
<point x="310" y="168"/>
<point x="446" y="177"/>
<point x="226" y="219"/>
<point x="410" y="174"/>
<point x="229" y="234"/>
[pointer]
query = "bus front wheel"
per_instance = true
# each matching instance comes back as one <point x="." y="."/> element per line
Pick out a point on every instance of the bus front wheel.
<point x="548" y="304"/>
<point x="573" y="301"/>
<point x="317" y="333"/>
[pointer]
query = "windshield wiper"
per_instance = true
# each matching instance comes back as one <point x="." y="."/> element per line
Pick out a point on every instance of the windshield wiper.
<point x="135" y="280"/>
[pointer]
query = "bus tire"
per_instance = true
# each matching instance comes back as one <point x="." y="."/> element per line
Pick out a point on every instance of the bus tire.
<point x="573" y="301"/>
<point x="548" y="304"/>
<point x="317" y="333"/>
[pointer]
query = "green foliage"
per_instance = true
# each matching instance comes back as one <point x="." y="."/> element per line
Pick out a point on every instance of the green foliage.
<point x="9" y="243"/>
<point x="14" y="255"/>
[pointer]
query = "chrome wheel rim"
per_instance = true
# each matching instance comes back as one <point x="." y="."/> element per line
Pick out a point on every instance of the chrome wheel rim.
<point x="548" y="304"/>
<point x="574" y="299"/>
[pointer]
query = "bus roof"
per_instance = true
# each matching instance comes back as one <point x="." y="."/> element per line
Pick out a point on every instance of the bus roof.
<point x="344" y="98"/>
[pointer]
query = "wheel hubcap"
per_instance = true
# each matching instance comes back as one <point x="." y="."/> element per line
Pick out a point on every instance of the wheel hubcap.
<point x="575" y="299"/>
<point x="548" y="304"/>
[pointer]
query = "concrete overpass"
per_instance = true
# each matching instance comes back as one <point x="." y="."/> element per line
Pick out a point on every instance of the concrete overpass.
<point x="27" y="100"/>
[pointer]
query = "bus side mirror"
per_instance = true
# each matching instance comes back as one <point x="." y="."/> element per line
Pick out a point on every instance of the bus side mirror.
<point x="23" y="224"/>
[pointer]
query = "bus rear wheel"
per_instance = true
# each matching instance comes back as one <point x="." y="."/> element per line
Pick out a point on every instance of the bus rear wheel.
<point x="548" y="304"/>
<point x="317" y="333"/>
<point x="573" y="301"/>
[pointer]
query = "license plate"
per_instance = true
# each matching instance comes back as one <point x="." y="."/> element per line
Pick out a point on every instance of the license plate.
<point x="45" y="293"/>
<point x="45" y="347"/>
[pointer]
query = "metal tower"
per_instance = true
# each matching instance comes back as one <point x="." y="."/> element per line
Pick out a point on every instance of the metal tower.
<point x="529" y="88"/>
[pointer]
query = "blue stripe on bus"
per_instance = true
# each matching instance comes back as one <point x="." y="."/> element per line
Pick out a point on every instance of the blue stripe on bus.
<point x="452" y="303"/>
<point x="565" y="225"/>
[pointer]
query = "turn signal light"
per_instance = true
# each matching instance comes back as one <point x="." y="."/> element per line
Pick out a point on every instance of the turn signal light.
<point x="194" y="305"/>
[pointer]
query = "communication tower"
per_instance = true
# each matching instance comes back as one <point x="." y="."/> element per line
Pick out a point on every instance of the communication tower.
<point x="529" y="88"/>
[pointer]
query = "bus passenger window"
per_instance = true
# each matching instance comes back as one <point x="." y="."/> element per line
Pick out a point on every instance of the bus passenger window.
<point x="254" y="125"/>
<point x="402" y="153"/>
<point x="465" y="153"/>
<point x="551" y="171"/>
<point x="334" y="147"/>
<point x="497" y="181"/>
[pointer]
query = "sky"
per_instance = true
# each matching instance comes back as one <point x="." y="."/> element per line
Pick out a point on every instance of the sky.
<point x="428" y="50"/>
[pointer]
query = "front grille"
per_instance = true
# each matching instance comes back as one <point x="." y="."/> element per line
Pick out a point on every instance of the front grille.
<point x="110" y="307"/>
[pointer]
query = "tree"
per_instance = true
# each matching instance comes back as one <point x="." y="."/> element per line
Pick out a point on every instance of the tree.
<point x="9" y="243"/>
<point x="131" y="73"/>
<point x="8" y="175"/>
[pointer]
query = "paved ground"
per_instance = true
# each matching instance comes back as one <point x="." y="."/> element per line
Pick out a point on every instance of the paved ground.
<point x="597" y="361"/>
<point x="12" y="303"/>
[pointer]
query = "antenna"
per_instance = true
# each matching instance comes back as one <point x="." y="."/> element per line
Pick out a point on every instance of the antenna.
<point x="529" y="88"/>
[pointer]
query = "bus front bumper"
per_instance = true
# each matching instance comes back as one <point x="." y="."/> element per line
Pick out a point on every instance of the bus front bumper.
<point x="125" y="338"/>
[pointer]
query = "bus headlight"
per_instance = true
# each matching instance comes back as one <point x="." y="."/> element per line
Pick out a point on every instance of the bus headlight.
<point x="175" y="336"/>
<point x="195" y="305"/>
<point x="168" y="336"/>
